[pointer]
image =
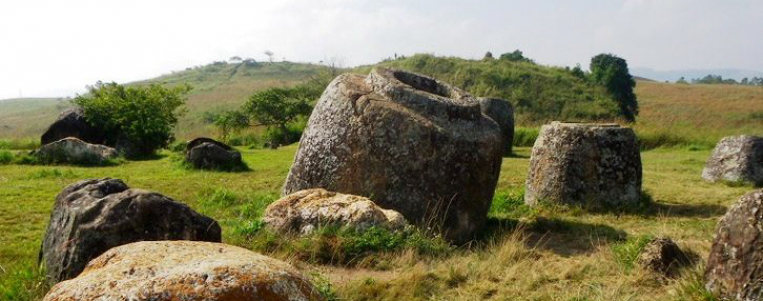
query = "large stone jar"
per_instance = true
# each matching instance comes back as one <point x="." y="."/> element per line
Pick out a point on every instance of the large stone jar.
<point x="408" y="142"/>
<point x="593" y="165"/>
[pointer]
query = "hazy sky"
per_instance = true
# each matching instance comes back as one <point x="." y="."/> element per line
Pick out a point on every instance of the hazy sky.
<point x="55" y="48"/>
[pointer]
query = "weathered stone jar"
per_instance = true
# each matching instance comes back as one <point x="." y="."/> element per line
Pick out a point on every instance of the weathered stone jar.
<point x="410" y="143"/>
<point x="594" y="165"/>
<point x="736" y="159"/>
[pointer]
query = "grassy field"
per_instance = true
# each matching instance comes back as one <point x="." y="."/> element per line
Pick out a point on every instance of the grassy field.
<point x="526" y="254"/>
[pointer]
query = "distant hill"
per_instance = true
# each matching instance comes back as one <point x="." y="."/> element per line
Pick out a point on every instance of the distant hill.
<point x="28" y="117"/>
<point x="689" y="74"/>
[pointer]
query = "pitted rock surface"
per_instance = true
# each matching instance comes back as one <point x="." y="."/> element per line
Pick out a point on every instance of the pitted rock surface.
<point x="502" y="112"/>
<point x="74" y="151"/>
<point x="663" y="255"/>
<point x="735" y="266"/>
<point x="306" y="210"/>
<point x="736" y="159"/>
<point x="185" y="270"/>
<point x="207" y="153"/>
<point x="411" y="143"/>
<point x="92" y="216"/>
<point x="596" y="165"/>
<point x="72" y="123"/>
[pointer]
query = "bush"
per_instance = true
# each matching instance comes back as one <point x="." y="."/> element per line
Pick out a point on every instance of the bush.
<point x="6" y="157"/>
<point x="139" y="119"/>
<point x="525" y="136"/>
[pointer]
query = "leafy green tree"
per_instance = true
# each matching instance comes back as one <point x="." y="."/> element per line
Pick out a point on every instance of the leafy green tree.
<point x="230" y="122"/>
<point x="488" y="56"/>
<point x="277" y="107"/>
<point x="137" y="119"/>
<point x="682" y="81"/>
<point x="612" y="72"/>
<point x="515" y="56"/>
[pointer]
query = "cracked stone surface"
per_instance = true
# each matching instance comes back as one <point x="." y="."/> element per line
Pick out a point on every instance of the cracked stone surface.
<point x="736" y="159"/>
<point x="596" y="165"/>
<point x="409" y="142"/>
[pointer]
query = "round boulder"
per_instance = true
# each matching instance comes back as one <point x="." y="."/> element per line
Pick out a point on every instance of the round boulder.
<point x="411" y="143"/>
<point x="662" y="255"/>
<point x="185" y="270"/>
<point x="502" y="112"/>
<point x="735" y="266"/>
<point x="92" y="216"/>
<point x="74" y="151"/>
<point x="306" y="210"/>
<point x="593" y="165"/>
<point x="206" y="153"/>
<point x="736" y="159"/>
<point x="72" y="123"/>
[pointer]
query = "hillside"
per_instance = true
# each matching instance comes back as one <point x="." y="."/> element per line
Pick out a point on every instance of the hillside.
<point x="695" y="113"/>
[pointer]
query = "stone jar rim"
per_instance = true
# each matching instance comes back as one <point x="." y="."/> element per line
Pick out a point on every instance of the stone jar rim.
<point x="423" y="93"/>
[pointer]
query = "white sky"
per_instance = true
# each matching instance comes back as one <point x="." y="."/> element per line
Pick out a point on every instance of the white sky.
<point x="56" y="47"/>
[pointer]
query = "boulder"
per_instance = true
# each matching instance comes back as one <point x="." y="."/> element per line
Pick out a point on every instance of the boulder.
<point x="736" y="159"/>
<point x="306" y="210"/>
<point x="593" y="165"/>
<point x="735" y="266"/>
<point x="72" y="123"/>
<point x="74" y="151"/>
<point x="662" y="255"/>
<point x="411" y="143"/>
<point x="185" y="270"/>
<point x="206" y="153"/>
<point x="92" y="216"/>
<point x="502" y="112"/>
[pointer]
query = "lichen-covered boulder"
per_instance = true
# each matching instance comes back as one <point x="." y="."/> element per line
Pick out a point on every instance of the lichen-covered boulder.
<point x="735" y="265"/>
<point x="206" y="153"/>
<point x="502" y="112"/>
<point x="72" y="123"/>
<point x="736" y="159"/>
<point x="185" y="270"/>
<point x="304" y="211"/>
<point x="74" y="151"/>
<point x="92" y="216"/>
<point x="662" y="255"/>
<point x="593" y="165"/>
<point x="411" y="143"/>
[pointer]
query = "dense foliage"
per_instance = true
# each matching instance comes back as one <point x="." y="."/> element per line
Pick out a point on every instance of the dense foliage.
<point x="717" y="79"/>
<point x="139" y="118"/>
<point x="612" y="72"/>
<point x="538" y="93"/>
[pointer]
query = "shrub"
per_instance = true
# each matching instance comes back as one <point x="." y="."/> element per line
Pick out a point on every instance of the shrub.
<point x="525" y="136"/>
<point x="139" y="118"/>
<point x="6" y="157"/>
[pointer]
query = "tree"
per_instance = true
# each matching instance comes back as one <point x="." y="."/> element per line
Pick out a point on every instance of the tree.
<point x="138" y="119"/>
<point x="235" y="59"/>
<point x="488" y="56"/>
<point x="682" y="81"/>
<point x="270" y="55"/>
<point x="515" y="56"/>
<point x="612" y="72"/>
<point x="230" y="122"/>
<point x="277" y="107"/>
<point x="579" y="73"/>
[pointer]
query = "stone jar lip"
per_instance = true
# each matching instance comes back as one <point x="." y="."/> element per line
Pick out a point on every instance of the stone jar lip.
<point x="586" y="124"/>
<point x="423" y="93"/>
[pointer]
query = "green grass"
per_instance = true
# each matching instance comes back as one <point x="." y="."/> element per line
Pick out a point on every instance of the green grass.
<point x="529" y="253"/>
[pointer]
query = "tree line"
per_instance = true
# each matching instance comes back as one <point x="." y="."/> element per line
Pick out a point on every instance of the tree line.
<point x="712" y="79"/>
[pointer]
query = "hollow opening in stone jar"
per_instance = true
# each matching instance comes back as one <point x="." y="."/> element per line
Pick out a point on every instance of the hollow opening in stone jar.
<point x="422" y="83"/>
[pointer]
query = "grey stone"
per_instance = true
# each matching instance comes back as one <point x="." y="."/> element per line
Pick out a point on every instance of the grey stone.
<point x="736" y="159"/>
<point x="92" y="216"/>
<point x="304" y="211"/>
<point x="206" y="153"/>
<point x="409" y="142"/>
<point x="593" y="165"/>
<point x="735" y="266"/>
<point x="72" y="123"/>
<point x="502" y="112"/>
<point x="74" y="151"/>
<point x="185" y="270"/>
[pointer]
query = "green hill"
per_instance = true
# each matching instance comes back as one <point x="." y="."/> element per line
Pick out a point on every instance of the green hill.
<point x="28" y="117"/>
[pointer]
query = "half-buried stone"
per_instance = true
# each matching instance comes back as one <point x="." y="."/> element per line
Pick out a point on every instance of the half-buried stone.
<point x="411" y="143"/>
<point x="92" y="216"/>
<point x="592" y="165"/>
<point x="185" y="270"/>
<point x="207" y="153"/>
<point x="736" y="159"/>
<point x="72" y="123"/>
<point x="74" y="151"/>
<point x="304" y="211"/>
<point x="735" y="266"/>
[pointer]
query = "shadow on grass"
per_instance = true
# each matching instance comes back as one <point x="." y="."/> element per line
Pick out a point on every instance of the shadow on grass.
<point x="685" y="210"/>
<point x="151" y="157"/>
<point x="561" y="236"/>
